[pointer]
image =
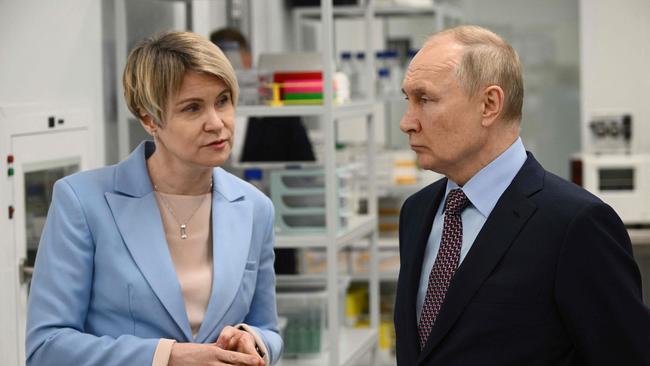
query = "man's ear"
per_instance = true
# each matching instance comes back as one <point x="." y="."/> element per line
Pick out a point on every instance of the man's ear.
<point x="492" y="101"/>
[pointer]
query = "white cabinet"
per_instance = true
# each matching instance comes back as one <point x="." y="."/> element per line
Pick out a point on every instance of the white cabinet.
<point x="38" y="145"/>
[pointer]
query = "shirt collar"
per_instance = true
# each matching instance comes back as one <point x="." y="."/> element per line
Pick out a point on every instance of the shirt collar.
<point x="485" y="187"/>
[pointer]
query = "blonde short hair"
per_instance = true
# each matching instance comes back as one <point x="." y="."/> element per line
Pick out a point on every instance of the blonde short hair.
<point x="156" y="67"/>
<point x="488" y="60"/>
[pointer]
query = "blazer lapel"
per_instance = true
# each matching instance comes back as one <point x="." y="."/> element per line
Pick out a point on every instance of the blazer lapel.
<point x="137" y="217"/>
<point x="232" y="225"/>
<point x="503" y="225"/>
<point x="429" y="206"/>
<point x="139" y="222"/>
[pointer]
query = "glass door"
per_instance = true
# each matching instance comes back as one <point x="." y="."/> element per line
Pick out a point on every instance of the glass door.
<point x="39" y="160"/>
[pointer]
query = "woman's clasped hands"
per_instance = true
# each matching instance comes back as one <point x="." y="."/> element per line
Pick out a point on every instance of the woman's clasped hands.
<point x="233" y="347"/>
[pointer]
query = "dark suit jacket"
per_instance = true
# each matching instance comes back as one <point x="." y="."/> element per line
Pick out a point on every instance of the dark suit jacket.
<point x="549" y="280"/>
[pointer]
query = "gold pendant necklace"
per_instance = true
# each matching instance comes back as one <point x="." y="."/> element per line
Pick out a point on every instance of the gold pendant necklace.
<point x="183" y="225"/>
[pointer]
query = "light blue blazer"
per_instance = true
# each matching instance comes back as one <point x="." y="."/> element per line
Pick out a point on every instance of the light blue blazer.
<point x="105" y="289"/>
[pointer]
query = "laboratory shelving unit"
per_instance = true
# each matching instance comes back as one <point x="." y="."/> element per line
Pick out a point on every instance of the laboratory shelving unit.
<point x="443" y="15"/>
<point x="352" y="109"/>
<point x="345" y="346"/>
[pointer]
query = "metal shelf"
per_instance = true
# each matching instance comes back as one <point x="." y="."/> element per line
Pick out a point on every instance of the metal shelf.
<point x="382" y="243"/>
<point x="383" y="276"/>
<point x="388" y="243"/>
<point x="267" y="111"/>
<point x="357" y="11"/>
<point x="353" y="344"/>
<point x="639" y="237"/>
<point x="398" y="190"/>
<point x="384" y="358"/>
<point x="358" y="227"/>
<point x="352" y="109"/>
<point x="277" y="165"/>
<point x="310" y="279"/>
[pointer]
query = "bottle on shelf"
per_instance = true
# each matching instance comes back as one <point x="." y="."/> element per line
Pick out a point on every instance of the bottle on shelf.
<point x="359" y="63"/>
<point x="396" y="70"/>
<point x="384" y="82"/>
<point x="347" y="68"/>
<point x="380" y="60"/>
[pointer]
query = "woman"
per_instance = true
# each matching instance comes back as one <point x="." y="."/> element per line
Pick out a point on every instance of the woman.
<point x="162" y="259"/>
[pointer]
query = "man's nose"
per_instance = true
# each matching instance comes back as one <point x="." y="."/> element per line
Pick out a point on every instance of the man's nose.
<point x="409" y="122"/>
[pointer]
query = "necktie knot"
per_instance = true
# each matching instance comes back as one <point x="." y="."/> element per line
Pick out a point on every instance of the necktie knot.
<point x="456" y="202"/>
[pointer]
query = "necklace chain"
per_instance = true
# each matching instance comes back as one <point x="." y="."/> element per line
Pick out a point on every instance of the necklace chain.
<point x="182" y="225"/>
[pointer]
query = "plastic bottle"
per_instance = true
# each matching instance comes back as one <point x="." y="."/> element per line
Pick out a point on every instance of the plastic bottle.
<point x="396" y="71"/>
<point x="391" y="59"/>
<point x="380" y="60"/>
<point x="345" y="66"/>
<point x="384" y="83"/>
<point x="361" y="85"/>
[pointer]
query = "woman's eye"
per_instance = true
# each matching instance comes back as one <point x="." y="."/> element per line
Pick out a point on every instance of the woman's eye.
<point x="191" y="108"/>
<point x="223" y="100"/>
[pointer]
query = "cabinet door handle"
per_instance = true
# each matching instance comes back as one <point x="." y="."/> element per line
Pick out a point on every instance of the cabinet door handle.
<point x="25" y="272"/>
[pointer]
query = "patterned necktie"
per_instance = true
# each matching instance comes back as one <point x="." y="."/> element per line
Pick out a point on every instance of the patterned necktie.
<point x="445" y="264"/>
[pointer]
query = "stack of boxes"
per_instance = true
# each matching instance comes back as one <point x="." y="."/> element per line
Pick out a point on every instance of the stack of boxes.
<point x="296" y="88"/>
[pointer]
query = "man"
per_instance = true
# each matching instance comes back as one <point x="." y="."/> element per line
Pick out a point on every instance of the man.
<point x="226" y="38"/>
<point x="503" y="263"/>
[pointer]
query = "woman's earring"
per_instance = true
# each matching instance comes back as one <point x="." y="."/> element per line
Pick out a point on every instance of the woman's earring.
<point x="153" y="134"/>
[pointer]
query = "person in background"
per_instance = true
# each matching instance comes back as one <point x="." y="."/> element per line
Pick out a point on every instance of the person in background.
<point x="164" y="258"/>
<point x="233" y="39"/>
<point x="267" y="139"/>
<point x="502" y="262"/>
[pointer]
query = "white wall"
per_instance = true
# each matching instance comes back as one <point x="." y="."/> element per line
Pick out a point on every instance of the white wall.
<point x="615" y="63"/>
<point x="51" y="52"/>
<point x="546" y="36"/>
<point x="271" y="28"/>
<point x="208" y="15"/>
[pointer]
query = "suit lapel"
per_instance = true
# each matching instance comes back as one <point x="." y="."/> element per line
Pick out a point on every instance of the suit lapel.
<point x="503" y="225"/>
<point x="232" y="225"/>
<point x="137" y="217"/>
<point x="429" y="206"/>
<point x="139" y="223"/>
